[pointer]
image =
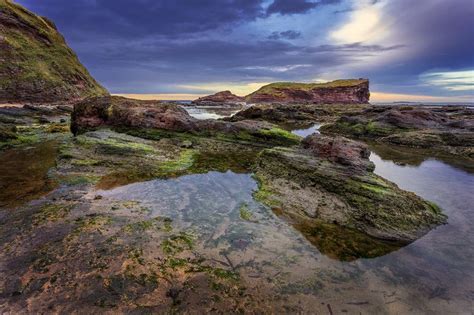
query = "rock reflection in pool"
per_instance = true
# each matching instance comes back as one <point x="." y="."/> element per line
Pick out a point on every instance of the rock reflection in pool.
<point x="24" y="173"/>
<point x="344" y="244"/>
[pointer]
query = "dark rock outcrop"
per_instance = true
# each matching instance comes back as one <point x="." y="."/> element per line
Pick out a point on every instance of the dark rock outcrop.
<point x="336" y="92"/>
<point x="340" y="150"/>
<point x="297" y="113"/>
<point x="331" y="180"/>
<point x="119" y="112"/>
<point x="36" y="65"/>
<point x="448" y="129"/>
<point x="225" y="97"/>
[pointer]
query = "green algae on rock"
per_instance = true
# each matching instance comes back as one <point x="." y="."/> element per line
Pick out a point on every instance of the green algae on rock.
<point x="331" y="179"/>
<point x="36" y="65"/>
<point x="449" y="129"/>
<point x="155" y="120"/>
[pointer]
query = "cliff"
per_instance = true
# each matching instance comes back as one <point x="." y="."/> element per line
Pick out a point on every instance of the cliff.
<point x="36" y="65"/>
<point x="335" y="92"/>
<point x="225" y="97"/>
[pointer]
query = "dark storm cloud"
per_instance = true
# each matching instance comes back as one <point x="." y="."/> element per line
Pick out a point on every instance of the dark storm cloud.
<point x="285" y="7"/>
<point x="290" y="34"/>
<point x="439" y="35"/>
<point x="151" y="65"/>
<point x="128" y="19"/>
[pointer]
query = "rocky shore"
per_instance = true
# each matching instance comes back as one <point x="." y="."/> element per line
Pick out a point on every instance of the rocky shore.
<point x="331" y="179"/>
<point x="211" y="195"/>
<point x="449" y="129"/>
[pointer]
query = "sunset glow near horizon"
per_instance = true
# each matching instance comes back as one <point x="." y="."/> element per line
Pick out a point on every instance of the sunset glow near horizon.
<point x="185" y="49"/>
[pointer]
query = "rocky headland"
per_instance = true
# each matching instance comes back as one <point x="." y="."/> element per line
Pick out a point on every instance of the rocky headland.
<point x="224" y="98"/>
<point x="36" y="65"/>
<point x="335" y="92"/>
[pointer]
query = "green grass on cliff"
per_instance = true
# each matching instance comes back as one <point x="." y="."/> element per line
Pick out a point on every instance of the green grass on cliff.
<point x="37" y="59"/>
<point x="274" y="87"/>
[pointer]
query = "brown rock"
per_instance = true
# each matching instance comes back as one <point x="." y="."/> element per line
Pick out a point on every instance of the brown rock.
<point x="340" y="150"/>
<point x="225" y="97"/>
<point x="114" y="111"/>
<point x="339" y="91"/>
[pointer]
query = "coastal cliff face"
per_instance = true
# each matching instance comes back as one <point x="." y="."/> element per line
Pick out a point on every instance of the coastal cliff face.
<point x="224" y="97"/>
<point x="335" y="92"/>
<point x="36" y="65"/>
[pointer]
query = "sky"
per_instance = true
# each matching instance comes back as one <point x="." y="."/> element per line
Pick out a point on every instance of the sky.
<point x="180" y="49"/>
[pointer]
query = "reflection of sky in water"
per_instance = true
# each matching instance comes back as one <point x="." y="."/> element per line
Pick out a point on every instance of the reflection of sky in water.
<point x="444" y="258"/>
<point x="308" y="131"/>
<point x="207" y="113"/>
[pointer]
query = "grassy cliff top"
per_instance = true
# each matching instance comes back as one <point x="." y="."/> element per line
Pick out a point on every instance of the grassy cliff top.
<point x="310" y="86"/>
<point x="36" y="64"/>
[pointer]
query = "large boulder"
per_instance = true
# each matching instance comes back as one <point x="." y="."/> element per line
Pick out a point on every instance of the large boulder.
<point x="221" y="98"/>
<point x="335" y="92"/>
<point x="36" y="65"/>
<point x="123" y="113"/>
<point x="340" y="150"/>
<point x="332" y="181"/>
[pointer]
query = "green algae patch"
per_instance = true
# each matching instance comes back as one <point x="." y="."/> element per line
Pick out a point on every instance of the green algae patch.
<point x="73" y="180"/>
<point x="278" y="133"/>
<point x="151" y="224"/>
<point x="51" y="213"/>
<point x="265" y="194"/>
<point x="178" y="243"/>
<point x="57" y="128"/>
<point x="114" y="146"/>
<point x="182" y="163"/>
<point x="245" y="213"/>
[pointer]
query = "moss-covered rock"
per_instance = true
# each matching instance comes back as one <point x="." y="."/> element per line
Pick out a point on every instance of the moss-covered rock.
<point x="449" y="129"/>
<point x="36" y="65"/>
<point x="155" y="120"/>
<point x="306" y="183"/>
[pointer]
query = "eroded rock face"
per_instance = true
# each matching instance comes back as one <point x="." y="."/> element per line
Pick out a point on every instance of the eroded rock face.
<point x="450" y="129"/>
<point x="224" y="97"/>
<point x="126" y="113"/>
<point x="340" y="91"/>
<point x="36" y="65"/>
<point x="331" y="180"/>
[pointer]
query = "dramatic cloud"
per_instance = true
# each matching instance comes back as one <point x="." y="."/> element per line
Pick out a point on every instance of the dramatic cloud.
<point x="284" y="7"/>
<point x="188" y="46"/>
<point x="125" y="18"/>
<point x="285" y="35"/>
<point x="451" y="80"/>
